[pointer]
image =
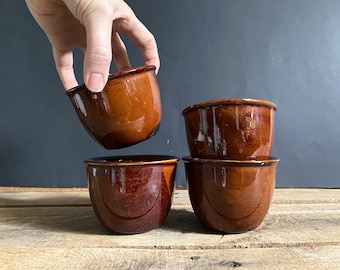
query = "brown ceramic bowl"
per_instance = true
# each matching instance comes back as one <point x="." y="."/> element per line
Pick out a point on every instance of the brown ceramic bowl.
<point x="239" y="129"/>
<point x="131" y="194"/>
<point x="230" y="196"/>
<point x="126" y="112"/>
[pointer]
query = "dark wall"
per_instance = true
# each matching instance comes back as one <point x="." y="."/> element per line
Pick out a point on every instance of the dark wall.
<point x="287" y="52"/>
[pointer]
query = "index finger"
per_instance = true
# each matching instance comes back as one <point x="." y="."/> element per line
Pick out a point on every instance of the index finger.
<point x="142" y="37"/>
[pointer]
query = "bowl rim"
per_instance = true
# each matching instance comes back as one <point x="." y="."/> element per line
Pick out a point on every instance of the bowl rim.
<point x="230" y="101"/>
<point x="132" y="160"/>
<point x="115" y="75"/>
<point x="232" y="162"/>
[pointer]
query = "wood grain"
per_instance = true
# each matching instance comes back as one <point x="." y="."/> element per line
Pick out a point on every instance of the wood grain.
<point x="46" y="229"/>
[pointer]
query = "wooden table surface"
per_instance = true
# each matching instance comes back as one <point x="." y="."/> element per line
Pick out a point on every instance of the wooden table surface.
<point x="57" y="229"/>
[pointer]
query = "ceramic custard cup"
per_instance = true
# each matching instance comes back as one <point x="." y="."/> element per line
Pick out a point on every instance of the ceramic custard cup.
<point x="131" y="194"/>
<point x="230" y="196"/>
<point x="126" y="112"/>
<point x="236" y="129"/>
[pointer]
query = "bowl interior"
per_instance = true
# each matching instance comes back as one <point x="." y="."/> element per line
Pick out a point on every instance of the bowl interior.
<point x="230" y="102"/>
<point x="132" y="160"/>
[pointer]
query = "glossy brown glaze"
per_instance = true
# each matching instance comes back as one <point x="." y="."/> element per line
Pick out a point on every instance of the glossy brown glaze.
<point x="239" y="129"/>
<point x="230" y="196"/>
<point x="126" y="112"/>
<point x="131" y="194"/>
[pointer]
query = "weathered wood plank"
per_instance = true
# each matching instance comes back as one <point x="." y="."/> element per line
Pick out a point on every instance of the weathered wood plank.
<point x="28" y="196"/>
<point x="36" y="199"/>
<point x="77" y="227"/>
<point x="325" y="257"/>
<point x="57" y="229"/>
<point x="41" y="189"/>
<point x="306" y="195"/>
<point x="80" y="196"/>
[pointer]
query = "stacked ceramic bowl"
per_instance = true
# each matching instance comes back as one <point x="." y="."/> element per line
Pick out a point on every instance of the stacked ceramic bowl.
<point x="129" y="194"/>
<point x="230" y="173"/>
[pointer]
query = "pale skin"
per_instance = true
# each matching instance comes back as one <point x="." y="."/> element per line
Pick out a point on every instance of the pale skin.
<point x="94" y="27"/>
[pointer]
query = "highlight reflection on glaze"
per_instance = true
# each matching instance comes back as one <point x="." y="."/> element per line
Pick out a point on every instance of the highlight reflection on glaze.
<point x="230" y="196"/>
<point x="126" y="112"/>
<point x="232" y="129"/>
<point x="131" y="194"/>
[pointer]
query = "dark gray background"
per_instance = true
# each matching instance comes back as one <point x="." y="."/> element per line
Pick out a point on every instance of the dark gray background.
<point x="285" y="51"/>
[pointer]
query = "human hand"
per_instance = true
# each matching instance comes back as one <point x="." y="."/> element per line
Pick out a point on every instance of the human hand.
<point x="93" y="26"/>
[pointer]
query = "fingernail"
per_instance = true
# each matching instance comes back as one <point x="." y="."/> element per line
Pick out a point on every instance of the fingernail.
<point x="96" y="82"/>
